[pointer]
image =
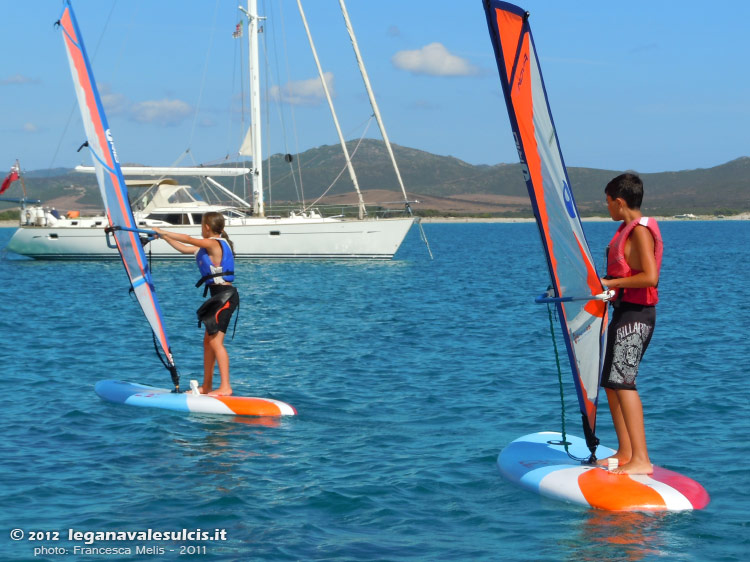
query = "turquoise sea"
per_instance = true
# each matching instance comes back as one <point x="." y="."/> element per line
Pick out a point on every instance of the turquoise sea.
<point x="409" y="377"/>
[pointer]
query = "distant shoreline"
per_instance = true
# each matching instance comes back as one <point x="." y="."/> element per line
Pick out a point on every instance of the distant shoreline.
<point x="451" y="220"/>
<point x="741" y="216"/>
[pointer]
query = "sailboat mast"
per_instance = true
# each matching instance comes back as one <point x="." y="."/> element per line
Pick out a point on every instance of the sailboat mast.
<point x="254" y="73"/>
<point x="371" y="95"/>
<point x="349" y="166"/>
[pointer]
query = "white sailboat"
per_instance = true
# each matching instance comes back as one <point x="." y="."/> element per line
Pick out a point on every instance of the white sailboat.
<point x="302" y="234"/>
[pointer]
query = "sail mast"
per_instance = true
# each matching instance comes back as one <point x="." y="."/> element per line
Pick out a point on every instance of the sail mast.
<point x="371" y="95"/>
<point x="20" y="177"/>
<point x="254" y="133"/>
<point x="349" y="166"/>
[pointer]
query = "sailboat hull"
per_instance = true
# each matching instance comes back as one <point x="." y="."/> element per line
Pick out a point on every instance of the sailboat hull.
<point x="262" y="238"/>
<point x="535" y="463"/>
<point x="133" y="394"/>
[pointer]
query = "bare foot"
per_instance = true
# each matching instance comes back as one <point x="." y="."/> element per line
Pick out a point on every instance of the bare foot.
<point x="635" y="468"/>
<point x="221" y="391"/>
<point x="621" y="460"/>
<point x="200" y="391"/>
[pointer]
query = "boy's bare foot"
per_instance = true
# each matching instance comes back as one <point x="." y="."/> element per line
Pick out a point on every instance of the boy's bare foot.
<point x="621" y="460"/>
<point x="221" y="391"/>
<point x="634" y="468"/>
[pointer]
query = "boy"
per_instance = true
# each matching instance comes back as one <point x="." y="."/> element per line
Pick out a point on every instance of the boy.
<point x="633" y="264"/>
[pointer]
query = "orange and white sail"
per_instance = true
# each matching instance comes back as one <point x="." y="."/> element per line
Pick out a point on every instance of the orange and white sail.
<point x="577" y="291"/>
<point x="114" y="193"/>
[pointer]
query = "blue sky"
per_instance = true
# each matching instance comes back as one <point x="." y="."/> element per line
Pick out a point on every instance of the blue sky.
<point x="643" y="85"/>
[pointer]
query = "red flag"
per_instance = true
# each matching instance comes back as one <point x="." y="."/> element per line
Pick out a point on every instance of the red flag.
<point x="13" y="176"/>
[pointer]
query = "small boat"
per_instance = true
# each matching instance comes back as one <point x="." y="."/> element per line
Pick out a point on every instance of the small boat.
<point x="305" y="233"/>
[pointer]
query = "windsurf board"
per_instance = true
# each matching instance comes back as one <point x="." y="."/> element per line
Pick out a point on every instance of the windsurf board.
<point x="538" y="462"/>
<point x="134" y="394"/>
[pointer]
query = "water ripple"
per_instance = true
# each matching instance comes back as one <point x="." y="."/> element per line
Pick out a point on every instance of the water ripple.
<point x="409" y="377"/>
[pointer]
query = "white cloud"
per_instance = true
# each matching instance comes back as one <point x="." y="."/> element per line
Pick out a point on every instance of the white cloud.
<point x="115" y="104"/>
<point x="18" y="79"/>
<point x="30" y="128"/>
<point x="303" y="92"/>
<point x="434" y="60"/>
<point x="161" y="112"/>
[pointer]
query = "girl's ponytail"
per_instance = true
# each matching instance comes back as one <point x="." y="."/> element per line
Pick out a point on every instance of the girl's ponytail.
<point x="215" y="222"/>
<point x="225" y="236"/>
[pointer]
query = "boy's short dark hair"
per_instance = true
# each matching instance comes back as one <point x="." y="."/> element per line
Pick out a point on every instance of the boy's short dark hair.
<point x="629" y="187"/>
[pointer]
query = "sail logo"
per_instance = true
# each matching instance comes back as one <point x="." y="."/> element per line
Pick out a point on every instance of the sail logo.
<point x="524" y="167"/>
<point x="521" y="74"/>
<point x="111" y="142"/>
<point x="568" y="198"/>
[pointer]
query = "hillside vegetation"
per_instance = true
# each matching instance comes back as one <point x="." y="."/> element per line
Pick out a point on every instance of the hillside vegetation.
<point x="442" y="184"/>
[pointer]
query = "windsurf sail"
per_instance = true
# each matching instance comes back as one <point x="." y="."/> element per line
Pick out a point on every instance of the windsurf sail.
<point x="123" y="227"/>
<point x="576" y="289"/>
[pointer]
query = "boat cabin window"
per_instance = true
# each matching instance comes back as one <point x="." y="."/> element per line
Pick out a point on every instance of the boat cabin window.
<point x="171" y="218"/>
<point x="197" y="218"/>
<point x="180" y="196"/>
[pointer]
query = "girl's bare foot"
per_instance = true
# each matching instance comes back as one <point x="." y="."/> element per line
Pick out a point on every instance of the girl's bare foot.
<point x="199" y="389"/>
<point x="221" y="391"/>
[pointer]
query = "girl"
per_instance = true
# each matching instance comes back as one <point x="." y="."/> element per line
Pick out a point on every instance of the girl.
<point x="214" y="254"/>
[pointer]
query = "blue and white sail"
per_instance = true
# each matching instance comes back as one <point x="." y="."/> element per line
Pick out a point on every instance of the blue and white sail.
<point x="578" y="292"/>
<point x="111" y="183"/>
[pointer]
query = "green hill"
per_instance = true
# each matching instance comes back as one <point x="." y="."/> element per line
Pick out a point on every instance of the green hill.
<point x="446" y="185"/>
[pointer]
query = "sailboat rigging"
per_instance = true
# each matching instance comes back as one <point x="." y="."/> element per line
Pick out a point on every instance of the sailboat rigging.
<point x="15" y="174"/>
<point x="123" y="226"/>
<point x="576" y="289"/>
<point x="303" y="234"/>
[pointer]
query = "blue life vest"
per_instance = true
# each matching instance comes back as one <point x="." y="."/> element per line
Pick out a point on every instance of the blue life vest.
<point x="211" y="274"/>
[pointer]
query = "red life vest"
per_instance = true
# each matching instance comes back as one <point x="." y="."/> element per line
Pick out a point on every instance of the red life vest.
<point x="617" y="266"/>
